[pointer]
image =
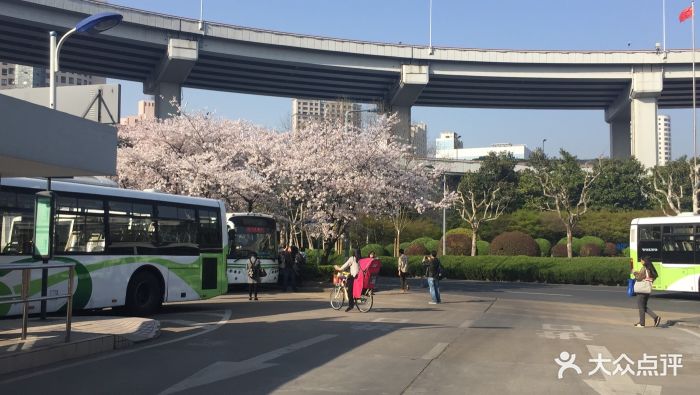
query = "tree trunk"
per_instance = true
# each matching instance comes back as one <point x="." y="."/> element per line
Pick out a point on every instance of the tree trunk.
<point x="328" y="244"/>
<point x="397" y="244"/>
<point x="475" y="230"/>
<point x="569" y="242"/>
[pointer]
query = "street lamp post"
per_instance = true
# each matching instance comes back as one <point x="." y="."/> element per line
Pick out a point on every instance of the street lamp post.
<point x="96" y="23"/>
<point x="444" y="215"/>
<point x="543" y="140"/>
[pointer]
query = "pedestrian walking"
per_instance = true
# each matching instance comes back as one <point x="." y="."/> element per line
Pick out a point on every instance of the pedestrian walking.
<point x="403" y="270"/>
<point x="432" y="271"/>
<point x="642" y="287"/>
<point x="255" y="272"/>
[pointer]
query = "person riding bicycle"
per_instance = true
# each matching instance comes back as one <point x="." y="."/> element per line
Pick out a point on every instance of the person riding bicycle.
<point x="353" y="264"/>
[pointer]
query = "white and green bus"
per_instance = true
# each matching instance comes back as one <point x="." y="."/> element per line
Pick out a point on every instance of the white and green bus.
<point x="131" y="249"/>
<point x="673" y="244"/>
<point x="248" y="233"/>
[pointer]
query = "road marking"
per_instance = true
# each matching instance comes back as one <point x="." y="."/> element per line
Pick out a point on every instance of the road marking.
<point x="563" y="332"/>
<point x="222" y="321"/>
<point x="535" y="293"/>
<point x="223" y="370"/>
<point x="435" y="351"/>
<point x="466" y="324"/>
<point x="391" y="320"/>
<point x="370" y="327"/>
<point x="617" y="384"/>
<point x="689" y="331"/>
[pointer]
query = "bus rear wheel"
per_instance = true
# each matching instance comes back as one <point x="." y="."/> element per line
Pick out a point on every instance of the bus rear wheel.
<point x="144" y="295"/>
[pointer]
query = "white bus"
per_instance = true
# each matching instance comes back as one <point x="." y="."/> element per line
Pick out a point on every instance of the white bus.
<point x="131" y="248"/>
<point x="248" y="233"/>
<point x="673" y="244"/>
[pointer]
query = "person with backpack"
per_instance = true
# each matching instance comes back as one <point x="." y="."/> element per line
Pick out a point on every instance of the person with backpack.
<point x="642" y="287"/>
<point x="432" y="273"/>
<point x="255" y="272"/>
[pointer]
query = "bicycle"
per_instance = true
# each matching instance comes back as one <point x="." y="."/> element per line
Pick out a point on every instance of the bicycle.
<point x="339" y="294"/>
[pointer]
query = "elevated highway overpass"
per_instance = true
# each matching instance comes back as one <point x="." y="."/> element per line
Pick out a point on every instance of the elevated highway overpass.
<point x="166" y="53"/>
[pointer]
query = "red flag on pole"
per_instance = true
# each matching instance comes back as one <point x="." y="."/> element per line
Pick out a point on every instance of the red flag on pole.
<point x="685" y="14"/>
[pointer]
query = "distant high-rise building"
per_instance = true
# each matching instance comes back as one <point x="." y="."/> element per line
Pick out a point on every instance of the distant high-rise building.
<point x="310" y="110"/>
<point x="419" y="139"/>
<point x="663" y="131"/>
<point x="147" y="110"/>
<point x="448" y="141"/>
<point x="20" y="76"/>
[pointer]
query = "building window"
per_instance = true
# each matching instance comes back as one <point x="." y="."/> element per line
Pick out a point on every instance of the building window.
<point x="4" y="71"/>
<point x="63" y="79"/>
<point x="71" y="80"/>
<point x="3" y="82"/>
<point x="10" y="81"/>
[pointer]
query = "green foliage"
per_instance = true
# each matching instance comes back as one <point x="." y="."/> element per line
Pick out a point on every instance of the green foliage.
<point x="529" y="191"/>
<point x="456" y="244"/>
<point x="626" y="252"/>
<point x="575" y="244"/>
<point x="378" y="250"/>
<point x="590" y="249"/>
<point x="613" y="226"/>
<point x="404" y="245"/>
<point x="590" y="270"/>
<point x="421" y="227"/>
<point x="461" y="231"/>
<point x="422" y="241"/>
<point x="545" y="246"/>
<point x="432" y="245"/>
<point x="620" y="185"/>
<point x="559" y="251"/>
<point x="514" y="243"/>
<point x="676" y="176"/>
<point x="313" y="258"/>
<point x="593" y="240"/>
<point x="483" y="247"/>
<point x="389" y="248"/>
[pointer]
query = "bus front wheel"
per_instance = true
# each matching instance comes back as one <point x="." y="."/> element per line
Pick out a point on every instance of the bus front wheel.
<point x="144" y="295"/>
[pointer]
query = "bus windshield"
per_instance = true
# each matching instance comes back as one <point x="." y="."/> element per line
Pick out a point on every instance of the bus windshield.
<point x="253" y="234"/>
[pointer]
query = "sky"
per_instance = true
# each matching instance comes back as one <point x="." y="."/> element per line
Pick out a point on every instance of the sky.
<point x="504" y="24"/>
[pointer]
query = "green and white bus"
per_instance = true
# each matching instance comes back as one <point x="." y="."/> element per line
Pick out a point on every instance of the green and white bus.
<point x="248" y="233"/>
<point x="131" y="249"/>
<point x="673" y="244"/>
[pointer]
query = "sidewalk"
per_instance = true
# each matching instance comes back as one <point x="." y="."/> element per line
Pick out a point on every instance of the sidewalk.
<point x="45" y="343"/>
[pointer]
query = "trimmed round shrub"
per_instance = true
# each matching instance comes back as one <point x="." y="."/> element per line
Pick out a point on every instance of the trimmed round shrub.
<point x="626" y="252"/>
<point x="432" y="245"/>
<point x="610" y="249"/>
<point x="389" y="248"/>
<point x="483" y="247"/>
<point x="545" y="246"/>
<point x="378" y="250"/>
<point x="593" y="240"/>
<point x="462" y="231"/>
<point x="590" y="250"/>
<point x="559" y="251"/>
<point x="575" y="244"/>
<point x="422" y="241"/>
<point x="456" y="244"/>
<point x="416" y="249"/>
<point x="404" y="245"/>
<point x="514" y="243"/>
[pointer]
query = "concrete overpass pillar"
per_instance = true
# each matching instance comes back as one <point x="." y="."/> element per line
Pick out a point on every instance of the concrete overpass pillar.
<point x="165" y="82"/>
<point x="413" y="79"/>
<point x="632" y="117"/>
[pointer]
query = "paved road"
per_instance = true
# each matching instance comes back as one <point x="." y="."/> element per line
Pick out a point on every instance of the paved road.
<point x="485" y="338"/>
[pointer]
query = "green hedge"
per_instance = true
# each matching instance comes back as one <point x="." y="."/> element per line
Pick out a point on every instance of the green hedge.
<point x="589" y="270"/>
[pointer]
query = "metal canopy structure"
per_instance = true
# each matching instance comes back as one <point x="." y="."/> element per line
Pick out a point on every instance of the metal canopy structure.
<point x="245" y="60"/>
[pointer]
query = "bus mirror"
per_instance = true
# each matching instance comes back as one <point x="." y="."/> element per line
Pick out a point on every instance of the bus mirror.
<point x="43" y="225"/>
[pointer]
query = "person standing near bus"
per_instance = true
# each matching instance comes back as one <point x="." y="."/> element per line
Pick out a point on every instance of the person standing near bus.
<point x="646" y="274"/>
<point x="353" y="263"/>
<point x="254" y="271"/>
<point x="403" y="270"/>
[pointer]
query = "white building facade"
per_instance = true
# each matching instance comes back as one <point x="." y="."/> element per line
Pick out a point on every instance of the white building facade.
<point x="663" y="133"/>
<point x="419" y="139"/>
<point x="18" y="76"/>
<point x="519" y="151"/>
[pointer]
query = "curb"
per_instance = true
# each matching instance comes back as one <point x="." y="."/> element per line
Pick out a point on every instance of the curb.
<point x="61" y="352"/>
